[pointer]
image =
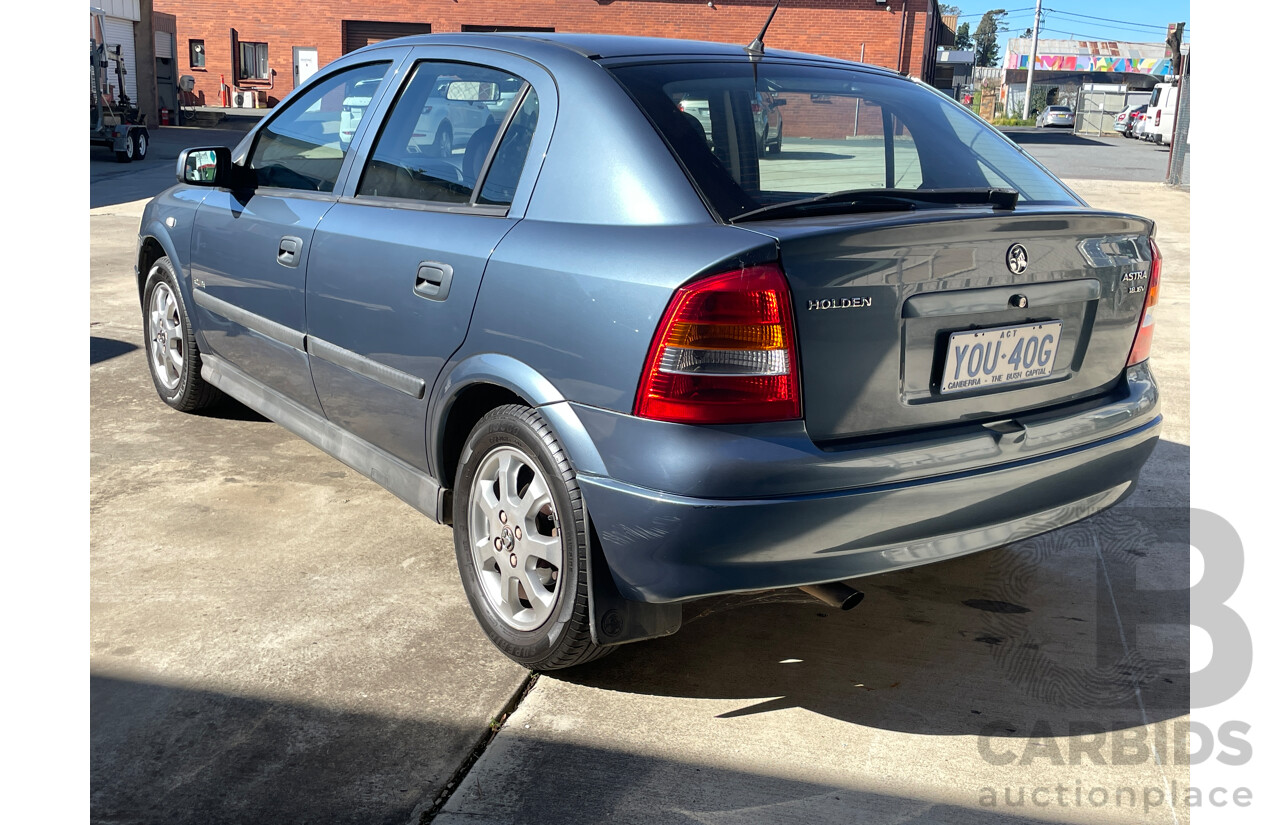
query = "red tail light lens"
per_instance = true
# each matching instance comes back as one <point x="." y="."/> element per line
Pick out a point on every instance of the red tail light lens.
<point x="724" y="352"/>
<point x="1141" y="349"/>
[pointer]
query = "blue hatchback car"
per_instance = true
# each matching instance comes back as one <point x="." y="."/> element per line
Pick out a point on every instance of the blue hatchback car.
<point x="635" y="356"/>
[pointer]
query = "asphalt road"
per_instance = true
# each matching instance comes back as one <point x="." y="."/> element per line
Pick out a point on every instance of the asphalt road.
<point x="275" y="638"/>
<point x="1087" y="157"/>
<point x="112" y="182"/>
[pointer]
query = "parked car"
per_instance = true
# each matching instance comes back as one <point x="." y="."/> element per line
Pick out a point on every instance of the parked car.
<point x="1140" y="124"/>
<point x="1162" y="111"/>
<point x="1127" y="119"/>
<point x="450" y="116"/>
<point x="1056" y="116"/>
<point x="765" y="113"/>
<point x="630" y="370"/>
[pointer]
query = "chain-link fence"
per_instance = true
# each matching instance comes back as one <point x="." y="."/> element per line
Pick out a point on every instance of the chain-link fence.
<point x="1179" y="173"/>
<point x="1096" y="110"/>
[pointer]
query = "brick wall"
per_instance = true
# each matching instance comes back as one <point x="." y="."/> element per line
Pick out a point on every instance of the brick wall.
<point x="840" y="28"/>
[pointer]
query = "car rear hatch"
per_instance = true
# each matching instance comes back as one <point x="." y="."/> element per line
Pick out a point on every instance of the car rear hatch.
<point x="916" y="320"/>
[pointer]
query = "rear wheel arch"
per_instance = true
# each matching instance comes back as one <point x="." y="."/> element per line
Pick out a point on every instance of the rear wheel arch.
<point x="475" y="386"/>
<point x="465" y="410"/>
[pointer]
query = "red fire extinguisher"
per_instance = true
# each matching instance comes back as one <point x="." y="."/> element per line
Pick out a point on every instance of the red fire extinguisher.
<point x="224" y="91"/>
<point x="164" y="116"/>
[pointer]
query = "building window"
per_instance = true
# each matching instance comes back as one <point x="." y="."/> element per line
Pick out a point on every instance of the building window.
<point x="253" y="61"/>
<point x="197" y="54"/>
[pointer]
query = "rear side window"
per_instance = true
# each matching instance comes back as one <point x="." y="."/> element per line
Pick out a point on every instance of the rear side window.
<point x="757" y="136"/>
<point x="440" y="134"/>
<point x="304" y="145"/>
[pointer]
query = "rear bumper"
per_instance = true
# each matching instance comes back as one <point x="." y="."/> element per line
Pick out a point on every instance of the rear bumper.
<point x="671" y="546"/>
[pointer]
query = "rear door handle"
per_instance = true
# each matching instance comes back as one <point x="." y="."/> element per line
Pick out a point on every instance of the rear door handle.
<point x="290" y="251"/>
<point x="433" y="280"/>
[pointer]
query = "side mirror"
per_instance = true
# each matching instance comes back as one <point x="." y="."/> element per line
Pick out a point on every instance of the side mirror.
<point x="205" y="166"/>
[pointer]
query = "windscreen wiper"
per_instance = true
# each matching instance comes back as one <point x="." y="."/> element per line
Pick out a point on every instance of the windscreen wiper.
<point x="884" y="200"/>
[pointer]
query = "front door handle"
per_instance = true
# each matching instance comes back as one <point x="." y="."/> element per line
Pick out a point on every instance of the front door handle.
<point x="433" y="280"/>
<point x="290" y="251"/>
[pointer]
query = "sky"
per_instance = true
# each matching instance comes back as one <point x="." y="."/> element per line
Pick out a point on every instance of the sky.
<point x="1141" y="21"/>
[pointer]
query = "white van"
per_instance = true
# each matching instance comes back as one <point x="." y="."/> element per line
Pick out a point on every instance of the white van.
<point x="1161" y="111"/>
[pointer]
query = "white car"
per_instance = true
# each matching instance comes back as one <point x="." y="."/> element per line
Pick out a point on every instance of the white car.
<point x="353" y="107"/>
<point x="1056" y="116"/>
<point x="454" y="111"/>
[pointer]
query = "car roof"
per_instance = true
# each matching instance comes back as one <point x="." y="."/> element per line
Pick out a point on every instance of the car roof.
<point x="607" y="47"/>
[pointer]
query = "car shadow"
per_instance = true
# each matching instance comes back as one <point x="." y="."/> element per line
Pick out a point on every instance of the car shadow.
<point x="1047" y="135"/>
<point x="104" y="349"/>
<point x="1057" y="633"/>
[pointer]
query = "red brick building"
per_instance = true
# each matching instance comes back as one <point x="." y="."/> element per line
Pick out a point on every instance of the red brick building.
<point x="270" y="47"/>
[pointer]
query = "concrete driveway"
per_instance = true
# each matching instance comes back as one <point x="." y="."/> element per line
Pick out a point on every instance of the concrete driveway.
<point x="276" y="639"/>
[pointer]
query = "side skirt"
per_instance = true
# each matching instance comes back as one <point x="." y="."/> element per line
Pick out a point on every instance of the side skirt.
<point x="417" y="489"/>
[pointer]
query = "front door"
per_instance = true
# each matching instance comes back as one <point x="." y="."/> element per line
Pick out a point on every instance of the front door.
<point x="306" y="61"/>
<point x="251" y="247"/>
<point x="397" y="265"/>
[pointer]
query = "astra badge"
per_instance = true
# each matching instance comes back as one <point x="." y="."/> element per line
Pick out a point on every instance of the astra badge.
<point x="1016" y="259"/>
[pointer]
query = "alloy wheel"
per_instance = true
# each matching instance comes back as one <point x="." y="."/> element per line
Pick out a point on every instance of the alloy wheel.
<point x="515" y="538"/>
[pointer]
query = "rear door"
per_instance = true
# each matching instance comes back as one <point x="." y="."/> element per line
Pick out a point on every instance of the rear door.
<point x="251" y="247"/>
<point x="397" y="262"/>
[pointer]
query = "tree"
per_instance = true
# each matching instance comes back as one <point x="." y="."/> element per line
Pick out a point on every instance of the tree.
<point x="945" y="8"/>
<point x="1026" y="35"/>
<point x="964" y="41"/>
<point x="984" y="39"/>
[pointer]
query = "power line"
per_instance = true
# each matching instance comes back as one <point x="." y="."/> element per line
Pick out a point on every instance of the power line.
<point x="1127" y="23"/>
<point x="1077" y="35"/>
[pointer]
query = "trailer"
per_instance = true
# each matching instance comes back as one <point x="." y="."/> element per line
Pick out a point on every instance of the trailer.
<point x="114" y="121"/>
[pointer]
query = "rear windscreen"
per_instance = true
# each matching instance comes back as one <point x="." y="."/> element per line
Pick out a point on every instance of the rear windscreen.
<point x="753" y="136"/>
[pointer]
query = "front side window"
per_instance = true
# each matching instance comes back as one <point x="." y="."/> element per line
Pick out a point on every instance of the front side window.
<point x="758" y="136"/>
<point x="196" y="48"/>
<point x="303" y="146"/>
<point x="253" y="61"/>
<point x="437" y="140"/>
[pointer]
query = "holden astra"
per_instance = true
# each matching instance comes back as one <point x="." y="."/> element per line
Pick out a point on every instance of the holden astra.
<point x="634" y="355"/>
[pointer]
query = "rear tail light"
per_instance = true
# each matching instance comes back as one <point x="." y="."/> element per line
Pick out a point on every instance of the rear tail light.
<point x="724" y="352"/>
<point x="1141" y="349"/>
<point x="1157" y="120"/>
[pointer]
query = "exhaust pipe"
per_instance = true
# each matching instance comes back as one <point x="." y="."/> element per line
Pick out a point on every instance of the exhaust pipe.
<point x="836" y="594"/>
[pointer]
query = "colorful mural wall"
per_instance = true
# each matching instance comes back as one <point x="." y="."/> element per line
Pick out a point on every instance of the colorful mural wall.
<point x="1091" y="63"/>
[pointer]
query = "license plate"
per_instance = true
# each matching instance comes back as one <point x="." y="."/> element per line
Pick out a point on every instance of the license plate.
<point x="1000" y="357"/>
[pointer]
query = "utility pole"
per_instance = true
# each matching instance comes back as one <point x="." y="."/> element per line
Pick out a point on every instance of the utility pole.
<point x="1031" y="64"/>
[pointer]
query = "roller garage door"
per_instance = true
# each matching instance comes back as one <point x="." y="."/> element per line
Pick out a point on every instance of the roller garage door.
<point x="119" y="32"/>
<point x="357" y="34"/>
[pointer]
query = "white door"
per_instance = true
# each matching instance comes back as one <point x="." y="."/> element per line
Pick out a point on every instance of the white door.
<point x="305" y="63"/>
<point x="119" y="32"/>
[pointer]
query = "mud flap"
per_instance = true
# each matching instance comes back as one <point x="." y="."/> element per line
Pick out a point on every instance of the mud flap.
<point x="615" y="620"/>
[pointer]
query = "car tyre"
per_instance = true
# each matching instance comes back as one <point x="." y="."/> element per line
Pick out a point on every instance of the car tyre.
<point x="520" y="537"/>
<point x="170" y="343"/>
<point x="444" y="140"/>
<point x="140" y="145"/>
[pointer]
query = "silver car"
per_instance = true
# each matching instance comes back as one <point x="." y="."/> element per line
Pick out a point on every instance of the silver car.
<point x="1056" y="116"/>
